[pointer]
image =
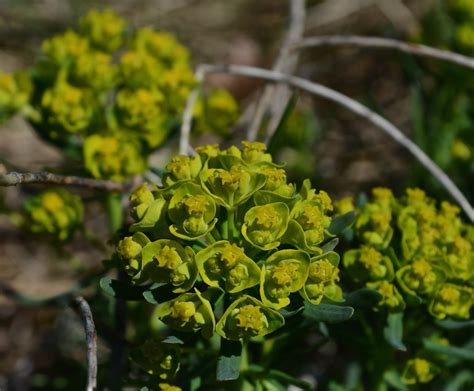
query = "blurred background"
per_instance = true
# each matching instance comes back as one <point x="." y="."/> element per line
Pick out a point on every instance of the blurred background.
<point x="343" y="154"/>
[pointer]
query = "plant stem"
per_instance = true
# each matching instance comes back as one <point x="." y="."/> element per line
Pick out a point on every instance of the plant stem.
<point x="115" y="220"/>
<point x="114" y="212"/>
<point x="230" y="223"/>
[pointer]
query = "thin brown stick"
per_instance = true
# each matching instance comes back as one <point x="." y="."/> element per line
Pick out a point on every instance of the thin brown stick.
<point x="386" y="43"/>
<point x="357" y="108"/>
<point x="17" y="178"/>
<point x="274" y="97"/>
<point x="83" y="308"/>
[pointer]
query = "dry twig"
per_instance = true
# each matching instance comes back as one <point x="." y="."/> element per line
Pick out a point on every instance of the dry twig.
<point x="185" y="131"/>
<point x="274" y="98"/>
<point x="386" y="43"/>
<point x="82" y="306"/>
<point x="17" y="178"/>
<point x="355" y="107"/>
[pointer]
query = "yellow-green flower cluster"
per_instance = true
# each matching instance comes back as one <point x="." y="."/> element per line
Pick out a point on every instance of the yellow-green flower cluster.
<point x="227" y="221"/>
<point x="414" y="251"/>
<point x="104" y="81"/>
<point x="15" y="90"/>
<point x="216" y="112"/>
<point x="56" y="213"/>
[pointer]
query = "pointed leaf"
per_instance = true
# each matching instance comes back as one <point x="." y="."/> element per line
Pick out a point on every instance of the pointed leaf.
<point x="341" y="222"/>
<point x="228" y="363"/>
<point x="393" y="331"/>
<point x="328" y="313"/>
<point x="121" y="290"/>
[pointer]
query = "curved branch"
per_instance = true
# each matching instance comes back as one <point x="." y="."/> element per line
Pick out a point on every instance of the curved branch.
<point x="186" y="124"/>
<point x="274" y="98"/>
<point x="386" y="43"/>
<point x="82" y="306"/>
<point x="361" y="110"/>
<point x="17" y="178"/>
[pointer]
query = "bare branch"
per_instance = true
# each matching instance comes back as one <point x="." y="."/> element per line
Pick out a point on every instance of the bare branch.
<point x="17" y="178"/>
<point x="82" y="306"/>
<point x="355" y="107"/>
<point x="273" y="97"/>
<point x="185" y="131"/>
<point x="386" y="43"/>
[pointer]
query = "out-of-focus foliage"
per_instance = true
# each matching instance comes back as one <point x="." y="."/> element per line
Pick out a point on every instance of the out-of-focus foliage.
<point x="419" y="257"/>
<point x="55" y="213"/>
<point x="441" y="97"/>
<point x="105" y="85"/>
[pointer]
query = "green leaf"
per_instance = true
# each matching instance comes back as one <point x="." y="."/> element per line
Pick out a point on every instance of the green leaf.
<point x="228" y="363"/>
<point x="363" y="298"/>
<point x="195" y="383"/>
<point x="173" y="340"/>
<point x="393" y="379"/>
<point x="158" y="294"/>
<point x="121" y="290"/>
<point x="329" y="246"/>
<point x="450" y="324"/>
<point x="328" y="313"/>
<point x="282" y="377"/>
<point x="464" y="353"/>
<point x="341" y="222"/>
<point x="393" y="331"/>
<point x="459" y="381"/>
<point x="282" y="124"/>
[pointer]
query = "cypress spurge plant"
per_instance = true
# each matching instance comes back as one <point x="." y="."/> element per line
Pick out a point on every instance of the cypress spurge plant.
<point x="418" y="256"/>
<point x="228" y="250"/>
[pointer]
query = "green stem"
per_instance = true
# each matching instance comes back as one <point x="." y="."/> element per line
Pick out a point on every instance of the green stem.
<point x="231" y="223"/>
<point x="114" y="211"/>
<point x="211" y="238"/>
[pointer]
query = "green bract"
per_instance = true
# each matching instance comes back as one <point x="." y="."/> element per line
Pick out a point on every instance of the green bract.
<point x="452" y="300"/>
<point x="166" y="261"/>
<point x="226" y="262"/>
<point x="218" y="224"/>
<point x="189" y="312"/>
<point x="54" y="212"/>
<point x="323" y="275"/>
<point x="419" y="370"/>
<point x="232" y="187"/>
<point x="247" y="317"/>
<point x="158" y="358"/>
<point x="283" y="273"/>
<point x="110" y="157"/>
<point x="264" y="225"/>
<point x="391" y="299"/>
<point x="373" y="221"/>
<point x="15" y="90"/>
<point x="129" y="249"/>
<point x="420" y="277"/>
<point x="192" y="212"/>
<point x="367" y="264"/>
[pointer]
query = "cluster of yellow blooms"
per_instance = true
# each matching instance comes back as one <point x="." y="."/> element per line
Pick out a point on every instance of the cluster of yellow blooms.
<point x="228" y="221"/>
<point x="435" y="264"/>
<point x="106" y="86"/>
<point x="55" y="212"/>
<point x="413" y="253"/>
